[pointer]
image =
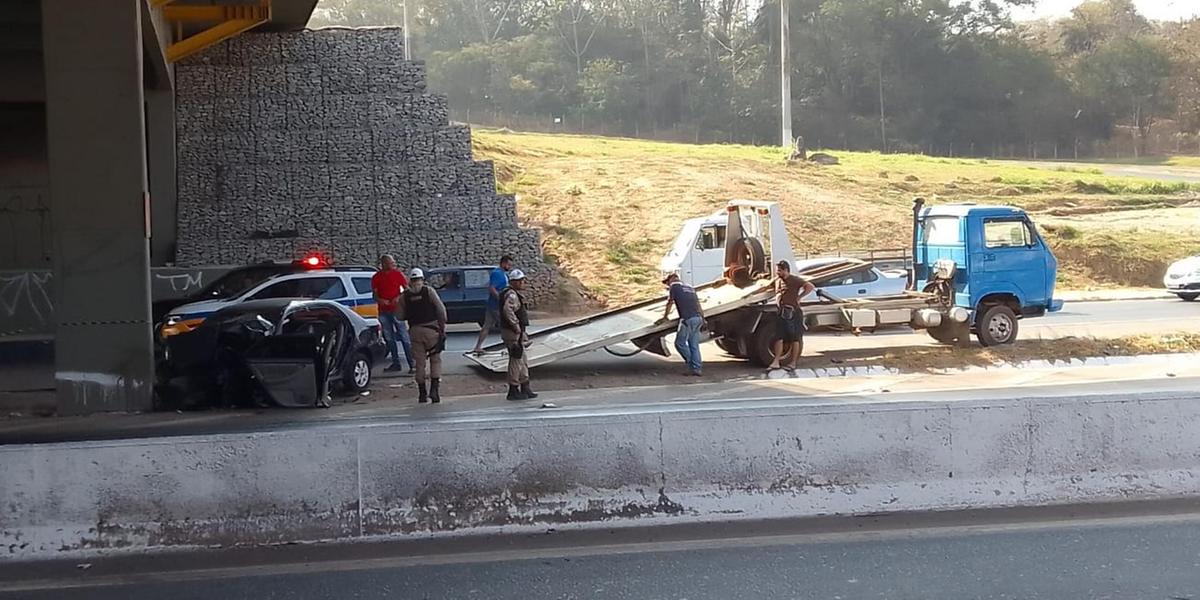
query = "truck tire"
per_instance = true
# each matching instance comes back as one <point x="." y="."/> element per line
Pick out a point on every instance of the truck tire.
<point x="731" y="346"/>
<point x="750" y="254"/>
<point x="951" y="333"/>
<point x="997" y="325"/>
<point x="1189" y="297"/>
<point x="762" y="354"/>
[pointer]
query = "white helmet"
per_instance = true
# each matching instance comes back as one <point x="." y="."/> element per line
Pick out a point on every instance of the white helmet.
<point x="516" y="275"/>
<point x="416" y="274"/>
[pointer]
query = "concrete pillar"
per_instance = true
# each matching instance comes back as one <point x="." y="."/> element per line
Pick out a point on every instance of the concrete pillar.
<point x="160" y="126"/>
<point x="98" y="204"/>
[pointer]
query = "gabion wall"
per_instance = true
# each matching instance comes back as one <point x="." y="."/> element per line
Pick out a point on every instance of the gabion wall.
<point x="327" y="141"/>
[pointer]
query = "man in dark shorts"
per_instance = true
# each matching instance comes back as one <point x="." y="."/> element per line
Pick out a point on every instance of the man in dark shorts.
<point x="789" y="330"/>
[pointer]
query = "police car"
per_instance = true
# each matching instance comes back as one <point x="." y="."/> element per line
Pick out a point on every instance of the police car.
<point x="347" y="285"/>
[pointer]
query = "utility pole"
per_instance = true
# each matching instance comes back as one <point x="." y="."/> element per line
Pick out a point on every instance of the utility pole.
<point x="404" y="16"/>
<point x="785" y="75"/>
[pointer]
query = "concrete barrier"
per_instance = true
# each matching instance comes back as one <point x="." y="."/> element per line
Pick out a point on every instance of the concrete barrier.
<point x="343" y="482"/>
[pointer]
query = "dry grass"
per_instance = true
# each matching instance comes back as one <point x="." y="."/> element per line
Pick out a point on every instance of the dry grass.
<point x="610" y="207"/>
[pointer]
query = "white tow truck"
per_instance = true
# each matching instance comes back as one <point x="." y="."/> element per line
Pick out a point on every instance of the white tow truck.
<point x="739" y="304"/>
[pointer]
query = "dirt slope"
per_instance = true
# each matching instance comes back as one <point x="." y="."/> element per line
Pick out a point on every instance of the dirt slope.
<point x="609" y="208"/>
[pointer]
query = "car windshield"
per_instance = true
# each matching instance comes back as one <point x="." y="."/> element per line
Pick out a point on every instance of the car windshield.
<point x="235" y="283"/>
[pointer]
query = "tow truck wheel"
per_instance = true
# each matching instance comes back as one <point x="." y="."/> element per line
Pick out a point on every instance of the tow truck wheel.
<point x="762" y="353"/>
<point x="1189" y="297"/>
<point x="357" y="377"/>
<point x="997" y="326"/>
<point x="730" y="346"/>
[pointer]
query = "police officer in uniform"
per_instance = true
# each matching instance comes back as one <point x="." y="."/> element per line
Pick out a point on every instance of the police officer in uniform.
<point x="514" y="321"/>
<point x="426" y="316"/>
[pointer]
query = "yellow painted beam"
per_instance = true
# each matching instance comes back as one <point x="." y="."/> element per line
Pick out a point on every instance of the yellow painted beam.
<point x="217" y="33"/>
<point x="228" y="21"/>
<point x="215" y="13"/>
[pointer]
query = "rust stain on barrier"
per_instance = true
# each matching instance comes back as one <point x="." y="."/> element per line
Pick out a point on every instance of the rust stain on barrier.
<point x="432" y="513"/>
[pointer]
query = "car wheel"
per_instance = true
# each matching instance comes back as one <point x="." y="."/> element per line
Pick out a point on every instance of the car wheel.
<point x="997" y="326"/>
<point x="1189" y="297"/>
<point x="357" y="377"/>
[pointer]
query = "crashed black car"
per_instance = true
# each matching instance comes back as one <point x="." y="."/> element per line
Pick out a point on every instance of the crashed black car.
<point x="286" y="352"/>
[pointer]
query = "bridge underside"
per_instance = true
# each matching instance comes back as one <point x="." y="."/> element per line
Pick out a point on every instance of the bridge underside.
<point x="88" y="178"/>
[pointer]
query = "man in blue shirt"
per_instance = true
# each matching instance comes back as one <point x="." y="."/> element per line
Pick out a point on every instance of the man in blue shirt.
<point x="497" y="281"/>
<point x="691" y="321"/>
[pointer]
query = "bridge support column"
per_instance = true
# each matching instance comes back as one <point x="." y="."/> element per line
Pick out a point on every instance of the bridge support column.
<point x="160" y="125"/>
<point x="97" y="153"/>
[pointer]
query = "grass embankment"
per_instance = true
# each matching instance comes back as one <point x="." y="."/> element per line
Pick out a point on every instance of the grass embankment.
<point x="610" y="207"/>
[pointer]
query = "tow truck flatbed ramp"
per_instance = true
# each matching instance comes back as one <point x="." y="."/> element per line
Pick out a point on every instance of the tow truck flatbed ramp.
<point x="623" y="324"/>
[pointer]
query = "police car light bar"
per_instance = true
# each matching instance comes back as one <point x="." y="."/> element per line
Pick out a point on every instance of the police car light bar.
<point x="313" y="260"/>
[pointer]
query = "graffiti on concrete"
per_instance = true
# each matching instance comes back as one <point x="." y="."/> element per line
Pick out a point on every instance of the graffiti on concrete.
<point x="183" y="282"/>
<point x="25" y="221"/>
<point x="25" y="302"/>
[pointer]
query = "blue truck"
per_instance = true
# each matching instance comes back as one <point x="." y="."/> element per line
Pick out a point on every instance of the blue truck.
<point x="987" y="259"/>
<point x="977" y="270"/>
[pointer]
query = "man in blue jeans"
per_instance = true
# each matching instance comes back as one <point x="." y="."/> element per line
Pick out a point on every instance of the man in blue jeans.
<point x="691" y="321"/>
<point x="386" y="285"/>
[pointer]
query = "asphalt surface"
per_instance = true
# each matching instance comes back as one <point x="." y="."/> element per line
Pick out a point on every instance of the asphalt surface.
<point x="1158" y="172"/>
<point x="1165" y="376"/>
<point x="1028" y="554"/>
<point x="1077" y="319"/>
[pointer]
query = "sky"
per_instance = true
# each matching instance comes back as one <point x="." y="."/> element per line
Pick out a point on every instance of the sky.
<point x="1162" y="10"/>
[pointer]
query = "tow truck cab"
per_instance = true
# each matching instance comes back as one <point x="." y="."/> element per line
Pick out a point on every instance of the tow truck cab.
<point x="1002" y="268"/>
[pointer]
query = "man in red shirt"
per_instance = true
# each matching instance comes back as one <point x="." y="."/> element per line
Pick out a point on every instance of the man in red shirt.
<point x="387" y="284"/>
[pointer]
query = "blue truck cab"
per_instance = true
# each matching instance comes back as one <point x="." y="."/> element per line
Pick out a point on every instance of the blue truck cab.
<point x="1000" y="268"/>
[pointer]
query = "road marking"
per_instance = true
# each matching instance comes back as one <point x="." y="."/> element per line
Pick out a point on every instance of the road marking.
<point x="583" y="551"/>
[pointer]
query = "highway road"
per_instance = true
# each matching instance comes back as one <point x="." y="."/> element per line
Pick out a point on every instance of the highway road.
<point x="1102" y="552"/>
<point x="1158" y="172"/>
<point x="1078" y="319"/>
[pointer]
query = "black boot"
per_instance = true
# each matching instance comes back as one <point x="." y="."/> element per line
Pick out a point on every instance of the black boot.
<point x="422" y="395"/>
<point x="434" y="394"/>
<point x="514" y="393"/>
<point x="528" y="393"/>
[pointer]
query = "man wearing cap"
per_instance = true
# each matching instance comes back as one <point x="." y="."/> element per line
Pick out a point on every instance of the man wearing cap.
<point x="426" y="316"/>
<point x="514" y="321"/>
<point x="789" y="328"/>
<point x="386" y="285"/>
<point x="691" y="321"/>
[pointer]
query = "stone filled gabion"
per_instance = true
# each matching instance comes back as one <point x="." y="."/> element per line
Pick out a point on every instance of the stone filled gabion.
<point x="327" y="141"/>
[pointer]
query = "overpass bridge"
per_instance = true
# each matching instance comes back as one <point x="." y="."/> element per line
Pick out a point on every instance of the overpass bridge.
<point x="88" y="173"/>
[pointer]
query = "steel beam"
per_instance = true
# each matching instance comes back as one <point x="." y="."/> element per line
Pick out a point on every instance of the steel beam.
<point x="229" y="21"/>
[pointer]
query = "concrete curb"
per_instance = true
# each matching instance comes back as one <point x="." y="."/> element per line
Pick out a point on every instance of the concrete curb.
<point x="1181" y="359"/>
<point x="578" y="471"/>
